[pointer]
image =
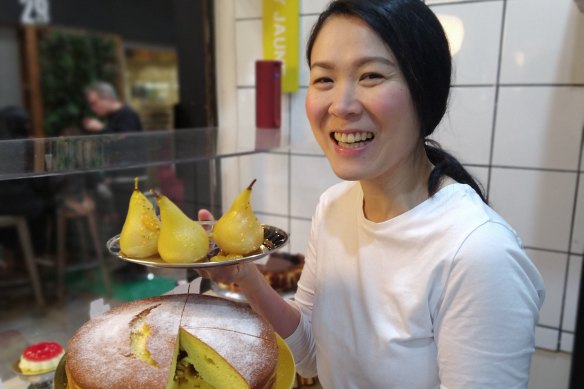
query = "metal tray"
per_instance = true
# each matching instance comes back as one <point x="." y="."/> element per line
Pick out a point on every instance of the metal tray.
<point x="274" y="239"/>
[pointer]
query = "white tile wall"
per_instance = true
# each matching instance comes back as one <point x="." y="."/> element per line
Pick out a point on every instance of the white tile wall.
<point x="310" y="176"/>
<point x="538" y="204"/>
<point x="481" y="174"/>
<point x="312" y="6"/>
<point x="231" y="184"/>
<point x="270" y="192"/>
<point x="467" y="126"/>
<point x="248" y="39"/>
<point x="476" y="62"/>
<point x="248" y="9"/>
<point x="566" y="342"/>
<point x="306" y="23"/>
<point x="543" y="42"/>
<point x="535" y="131"/>
<point x="552" y="267"/>
<point x="546" y="338"/>
<point x="246" y="128"/>
<point x="539" y="127"/>
<point x="245" y="133"/>
<point x="300" y="131"/>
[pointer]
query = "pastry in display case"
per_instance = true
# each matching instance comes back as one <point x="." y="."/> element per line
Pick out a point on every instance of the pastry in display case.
<point x="281" y="270"/>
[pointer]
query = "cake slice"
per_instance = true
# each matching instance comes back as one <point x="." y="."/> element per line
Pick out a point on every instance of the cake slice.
<point x="227" y="344"/>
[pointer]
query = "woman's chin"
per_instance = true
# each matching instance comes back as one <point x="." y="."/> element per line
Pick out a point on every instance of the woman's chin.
<point x="348" y="173"/>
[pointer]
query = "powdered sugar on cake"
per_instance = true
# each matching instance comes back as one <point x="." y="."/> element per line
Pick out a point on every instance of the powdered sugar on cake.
<point x="101" y="353"/>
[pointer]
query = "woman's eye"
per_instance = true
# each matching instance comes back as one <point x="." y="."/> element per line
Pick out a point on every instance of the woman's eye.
<point x="322" y="80"/>
<point x="371" y="76"/>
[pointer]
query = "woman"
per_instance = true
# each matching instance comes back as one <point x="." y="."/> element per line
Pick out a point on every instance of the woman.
<point x="411" y="280"/>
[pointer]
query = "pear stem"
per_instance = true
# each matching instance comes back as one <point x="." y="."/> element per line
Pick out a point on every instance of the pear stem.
<point x="250" y="185"/>
<point x="135" y="183"/>
<point x="155" y="193"/>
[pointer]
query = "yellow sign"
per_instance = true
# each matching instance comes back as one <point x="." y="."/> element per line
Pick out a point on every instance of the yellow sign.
<point x="280" y="33"/>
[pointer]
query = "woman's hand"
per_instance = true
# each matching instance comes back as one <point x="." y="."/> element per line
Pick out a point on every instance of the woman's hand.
<point x="225" y="274"/>
<point x="259" y="294"/>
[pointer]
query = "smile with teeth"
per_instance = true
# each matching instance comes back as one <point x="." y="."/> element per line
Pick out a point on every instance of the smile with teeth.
<point x="352" y="140"/>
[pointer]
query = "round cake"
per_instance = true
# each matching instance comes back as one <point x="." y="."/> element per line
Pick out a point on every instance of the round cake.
<point x="41" y="357"/>
<point x="174" y="342"/>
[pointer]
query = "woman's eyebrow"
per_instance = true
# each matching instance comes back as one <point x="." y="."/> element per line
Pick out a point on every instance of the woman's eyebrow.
<point x="362" y="61"/>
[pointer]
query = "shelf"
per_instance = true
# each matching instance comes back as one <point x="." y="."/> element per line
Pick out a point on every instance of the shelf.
<point x="25" y="158"/>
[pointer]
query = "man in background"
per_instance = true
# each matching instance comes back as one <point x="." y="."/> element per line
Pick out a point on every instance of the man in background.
<point x="104" y="102"/>
<point x="118" y="119"/>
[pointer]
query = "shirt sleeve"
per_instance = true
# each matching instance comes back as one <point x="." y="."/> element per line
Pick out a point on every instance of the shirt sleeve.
<point x="301" y="342"/>
<point x="484" y="324"/>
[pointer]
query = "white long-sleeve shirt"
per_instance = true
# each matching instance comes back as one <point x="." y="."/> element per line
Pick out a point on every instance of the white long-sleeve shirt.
<point x="441" y="296"/>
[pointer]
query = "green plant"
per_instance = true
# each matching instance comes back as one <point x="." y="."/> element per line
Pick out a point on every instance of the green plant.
<point x="69" y="62"/>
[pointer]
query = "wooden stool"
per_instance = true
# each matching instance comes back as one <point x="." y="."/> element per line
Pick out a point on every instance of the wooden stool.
<point x="19" y="222"/>
<point x="63" y="216"/>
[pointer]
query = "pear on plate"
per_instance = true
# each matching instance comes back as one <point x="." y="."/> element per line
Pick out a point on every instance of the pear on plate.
<point x="238" y="231"/>
<point x="182" y="240"/>
<point x="139" y="237"/>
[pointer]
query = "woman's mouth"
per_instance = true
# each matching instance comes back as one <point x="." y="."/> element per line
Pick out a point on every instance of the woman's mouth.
<point x="352" y="140"/>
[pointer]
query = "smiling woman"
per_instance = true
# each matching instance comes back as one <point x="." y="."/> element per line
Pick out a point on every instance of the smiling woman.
<point x="410" y="279"/>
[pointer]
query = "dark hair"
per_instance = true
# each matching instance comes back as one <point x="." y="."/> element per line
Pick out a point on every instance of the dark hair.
<point x="103" y="89"/>
<point x="416" y="38"/>
<point x="14" y="123"/>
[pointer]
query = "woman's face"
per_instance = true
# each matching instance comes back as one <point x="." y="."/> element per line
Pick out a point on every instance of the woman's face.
<point x="358" y="103"/>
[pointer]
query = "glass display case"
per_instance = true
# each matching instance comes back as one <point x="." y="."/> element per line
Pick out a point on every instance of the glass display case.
<point x="54" y="262"/>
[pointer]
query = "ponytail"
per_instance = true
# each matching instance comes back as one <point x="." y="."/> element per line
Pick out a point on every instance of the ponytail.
<point x="446" y="165"/>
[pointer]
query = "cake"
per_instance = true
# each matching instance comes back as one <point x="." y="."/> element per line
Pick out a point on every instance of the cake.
<point x="281" y="270"/>
<point x="40" y="358"/>
<point x="174" y="342"/>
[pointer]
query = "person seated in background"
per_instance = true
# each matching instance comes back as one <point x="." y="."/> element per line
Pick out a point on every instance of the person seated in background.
<point x="119" y="119"/>
<point x="104" y="102"/>
<point x="29" y="197"/>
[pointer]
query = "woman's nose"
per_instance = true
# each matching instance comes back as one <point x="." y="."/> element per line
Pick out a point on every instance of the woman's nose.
<point x="344" y="101"/>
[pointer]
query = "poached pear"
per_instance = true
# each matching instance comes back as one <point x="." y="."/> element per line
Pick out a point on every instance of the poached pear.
<point x="139" y="237"/>
<point x="182" y="240"/>
<point x="238" y="231"/>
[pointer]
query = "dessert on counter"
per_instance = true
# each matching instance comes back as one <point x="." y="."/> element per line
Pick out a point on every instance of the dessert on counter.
<point x="40" y="358"/>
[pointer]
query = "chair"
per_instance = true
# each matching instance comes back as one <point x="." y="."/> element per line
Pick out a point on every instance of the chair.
<point x="20" y="223"/>
<point x="63" y="216"/>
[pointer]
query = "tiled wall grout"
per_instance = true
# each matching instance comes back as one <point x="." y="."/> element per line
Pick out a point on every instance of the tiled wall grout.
<point x="496" y="170"/>
<point x="289" y="205"/>
<point x="551" y="251"/>
<point x="572" y="228"/>
<point x="496" y="100"/>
